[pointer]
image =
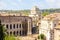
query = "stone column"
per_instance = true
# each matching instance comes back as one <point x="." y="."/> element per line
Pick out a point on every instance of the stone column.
<point x="15" y="29"/>
<point x="29" y="28"/>
<point x="8" y="26"/>
<point x="12" y="26"/>
<point x="18" y="30"/>
<point x="12" y="32"/>
<point x="9" y="33"/>
<point x="21" y="29"/>
<point x="9" y="29"/>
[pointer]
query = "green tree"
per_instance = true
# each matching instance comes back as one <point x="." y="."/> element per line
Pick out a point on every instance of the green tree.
<point x="2" y="35"/>
<point x="9" y="37"/>
<point x="45" y="13"/>
<point x="42" y="37"/>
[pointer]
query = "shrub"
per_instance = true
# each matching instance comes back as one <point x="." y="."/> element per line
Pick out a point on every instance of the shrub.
<point x="41" y="36"/>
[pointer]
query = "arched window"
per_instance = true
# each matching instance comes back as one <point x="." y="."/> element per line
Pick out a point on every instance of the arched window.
<point x="11" y="33"/>
<point x="20" y="26"/>
<point x="14" y="26"/>
<point x="14" y="32"/>
<point x="10" y="26"/>
<point x="17" y="32"/>
<point x="7" y="26"/>
<point x="20" y="33"/>
<point x="17" y="25"/>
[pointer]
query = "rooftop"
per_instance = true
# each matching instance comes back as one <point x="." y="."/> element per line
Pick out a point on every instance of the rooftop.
<point x="57" y="27"/>
<point x="53" y="16"/>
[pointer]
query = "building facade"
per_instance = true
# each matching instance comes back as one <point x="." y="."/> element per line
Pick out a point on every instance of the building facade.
<point x="46" y="28"/>
<point x="48" y="23"/>
<point x="17" y="25"/>
<point x="35" y="14"/>
<point x="57" y="33"/>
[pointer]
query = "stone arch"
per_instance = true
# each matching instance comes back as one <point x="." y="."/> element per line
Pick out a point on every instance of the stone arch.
<point x="17" y="32"/>
<point x="20" y="33"/>
<point x="10" y="32"/>
<point x="7" y="26"/>
<point x="14" y="32"/>
<point x="10" y="26"/>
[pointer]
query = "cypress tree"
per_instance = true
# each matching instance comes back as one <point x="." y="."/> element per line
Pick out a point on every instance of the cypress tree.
<point x="1" y="31"/>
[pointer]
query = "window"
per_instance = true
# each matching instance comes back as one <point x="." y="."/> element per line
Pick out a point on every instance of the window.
<point x="10" y="26"/>
<point x="14" y="26"/>
<point x="14" y="32"/>
<point x="20" y="26"/>
<point x="10" y="33"/>
<point x="20" y="33"/>
<point x="17" y="25"/>
<point x="17" y="32"/>
<point x="7" y="26"/>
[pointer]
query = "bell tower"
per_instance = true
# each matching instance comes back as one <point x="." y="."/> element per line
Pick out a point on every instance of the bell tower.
<point x="35" y="10"/>
<point x="35" y="14"/>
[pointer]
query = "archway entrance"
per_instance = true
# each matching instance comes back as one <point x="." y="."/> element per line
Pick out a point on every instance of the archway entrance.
<point x="25" y="29"/>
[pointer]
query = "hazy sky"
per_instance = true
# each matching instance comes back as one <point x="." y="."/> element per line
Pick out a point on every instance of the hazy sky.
<point x="28" y="4"/>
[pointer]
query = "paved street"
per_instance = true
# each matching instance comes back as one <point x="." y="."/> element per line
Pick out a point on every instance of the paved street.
<point x="31" y="37"/>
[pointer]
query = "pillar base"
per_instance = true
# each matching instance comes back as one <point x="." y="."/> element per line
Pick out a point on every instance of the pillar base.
<point x="29" y="34"/>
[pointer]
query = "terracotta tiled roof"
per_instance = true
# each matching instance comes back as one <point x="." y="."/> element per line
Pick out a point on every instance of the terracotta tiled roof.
<point x="52" y="16"/>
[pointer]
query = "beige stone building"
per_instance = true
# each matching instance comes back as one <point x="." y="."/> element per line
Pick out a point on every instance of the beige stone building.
<point x="57" y="32"/>
<point x="48" y="24"/>
<point x="35" y="14"/>
<point x="17" y="25"/>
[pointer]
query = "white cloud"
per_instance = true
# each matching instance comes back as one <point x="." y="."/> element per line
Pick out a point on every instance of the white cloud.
<point x="53" y="3"/>
<point x="10" y="4"/>
<point x="2" y="4"/>
<point x="57" y="4"/>
<point x="15" y="2"/>
<point x="50" y="1"/>
<point x="20" y="0"/>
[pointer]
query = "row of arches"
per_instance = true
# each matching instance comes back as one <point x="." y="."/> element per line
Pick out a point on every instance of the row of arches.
<point x="15" y="33"/>
<point x="13" y="26"/>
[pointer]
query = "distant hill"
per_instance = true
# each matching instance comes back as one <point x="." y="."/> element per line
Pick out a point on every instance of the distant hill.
<point x="28" y="11"/>
<point x="15" y="11"/>
<point x="51" y="10"/>
<point x="25" y="12"/>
